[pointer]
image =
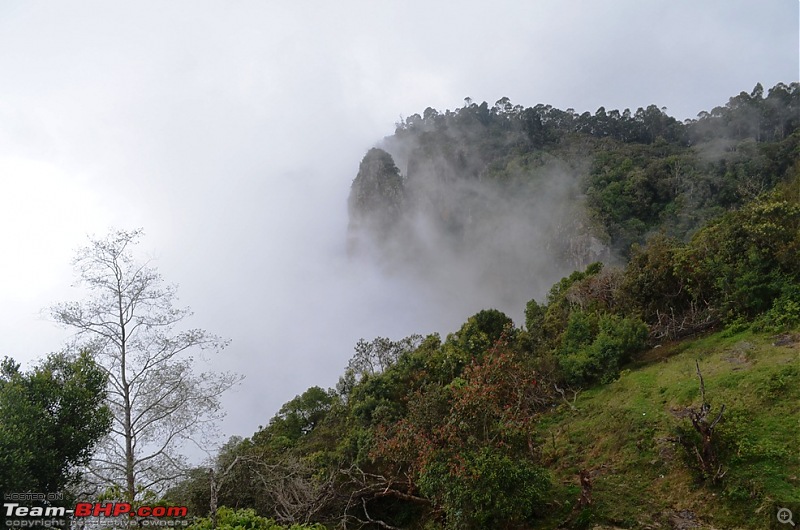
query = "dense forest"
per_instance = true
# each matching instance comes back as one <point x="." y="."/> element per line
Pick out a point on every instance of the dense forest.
<point x="652" y="384"/>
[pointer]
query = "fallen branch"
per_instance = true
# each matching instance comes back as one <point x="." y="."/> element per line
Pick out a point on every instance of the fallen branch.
<point x="564" y="396"/>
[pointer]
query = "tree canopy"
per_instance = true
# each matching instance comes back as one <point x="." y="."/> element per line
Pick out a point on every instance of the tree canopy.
<point x="51" y="419"/>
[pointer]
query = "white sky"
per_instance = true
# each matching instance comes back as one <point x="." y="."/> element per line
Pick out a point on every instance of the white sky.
<point x="231" y="132"/>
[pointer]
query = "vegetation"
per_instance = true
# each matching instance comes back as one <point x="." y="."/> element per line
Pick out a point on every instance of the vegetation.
<point x="628" y="435"/>
<point x="51" y="419"/>
<point x="245" y="519"/>
<point x="631" y="173"/>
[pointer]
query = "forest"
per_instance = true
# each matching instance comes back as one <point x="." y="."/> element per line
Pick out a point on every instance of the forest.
<point x="652" y="384"/>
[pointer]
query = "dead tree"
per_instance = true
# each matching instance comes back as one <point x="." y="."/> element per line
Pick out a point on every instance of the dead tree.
<point x="215" y="484"/>
<point x="705" y="453"/>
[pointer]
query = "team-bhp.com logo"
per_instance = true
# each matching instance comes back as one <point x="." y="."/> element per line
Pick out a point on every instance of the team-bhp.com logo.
<point x="95" y="509"/>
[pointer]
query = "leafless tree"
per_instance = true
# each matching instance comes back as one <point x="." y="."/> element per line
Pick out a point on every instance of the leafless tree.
<point x="129" y="321"/>
<point x="706" y="451"/>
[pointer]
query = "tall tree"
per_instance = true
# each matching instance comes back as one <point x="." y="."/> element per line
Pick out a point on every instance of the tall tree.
<point x="129" y="321"/>
<point x="51" y="418"/>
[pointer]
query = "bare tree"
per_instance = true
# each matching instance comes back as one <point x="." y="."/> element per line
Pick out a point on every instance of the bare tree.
<point x="706" y="450"/>
<point x="158" y="402"/>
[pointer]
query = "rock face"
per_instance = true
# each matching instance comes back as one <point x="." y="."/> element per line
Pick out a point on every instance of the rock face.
<point x="377" y="199"/>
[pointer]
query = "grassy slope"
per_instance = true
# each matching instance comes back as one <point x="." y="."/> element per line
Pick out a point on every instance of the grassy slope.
<point x="624" y="434"/>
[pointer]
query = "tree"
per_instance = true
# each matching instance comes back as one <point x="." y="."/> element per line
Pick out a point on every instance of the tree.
<point x="51" y="418"/>
<point x="299" y="416"/>
<point x="157" y="401"/>
<point x="469" y="446"/>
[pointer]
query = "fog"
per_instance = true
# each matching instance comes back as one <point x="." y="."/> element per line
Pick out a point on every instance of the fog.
<point x="232" y="132"/>
<point x="470" y="240"/>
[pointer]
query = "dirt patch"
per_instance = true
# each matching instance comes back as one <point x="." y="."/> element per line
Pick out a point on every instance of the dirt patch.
<point x="666" y="449"/>
<point x="786" y="339"/>
<point x="683" y="520"/>
<point x="739" y="355"/>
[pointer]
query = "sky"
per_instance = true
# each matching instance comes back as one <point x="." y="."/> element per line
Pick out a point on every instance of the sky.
<point x="231" y="132"/>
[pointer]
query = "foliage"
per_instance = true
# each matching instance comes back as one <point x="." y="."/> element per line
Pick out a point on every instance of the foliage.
<point x="640" y="171"/>
<point x="374" y="357"/>
<point x="481" y="331"/>
<point x="51" y="418"/>
<point x="503" y="427"/>
<point x="741" y="262"/>
<point x="594" y="348"/>
<point x="741" y="265"/>
<point x="246" y="519"/>
<point x="469" y="446"/>
<point x="298" y="417"/>
<point x="785" y="311"/>
<point x="484" y="488"/>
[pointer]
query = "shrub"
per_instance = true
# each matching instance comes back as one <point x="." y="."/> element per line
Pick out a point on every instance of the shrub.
<point x="785" y="311"/>
<point x="588" y="356"/>
<point x="484" y="488"/>
<point x="246" y="519"/>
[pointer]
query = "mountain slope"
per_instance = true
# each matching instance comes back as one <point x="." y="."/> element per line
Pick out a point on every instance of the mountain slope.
<point x="626" y="436"/>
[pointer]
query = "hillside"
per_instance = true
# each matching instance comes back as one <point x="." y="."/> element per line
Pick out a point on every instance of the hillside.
<point x="624" y="440"/>
<point x="626" y="436"/>
<point x="587" y="413"/>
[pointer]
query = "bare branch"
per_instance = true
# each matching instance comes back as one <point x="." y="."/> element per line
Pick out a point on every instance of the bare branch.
<point x="129" y="320"/>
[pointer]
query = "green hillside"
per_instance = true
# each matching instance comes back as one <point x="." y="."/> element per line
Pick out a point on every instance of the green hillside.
<point x="626" y="435"/>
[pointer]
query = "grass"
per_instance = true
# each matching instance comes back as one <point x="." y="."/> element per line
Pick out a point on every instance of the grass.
<point x="625" y="434"/>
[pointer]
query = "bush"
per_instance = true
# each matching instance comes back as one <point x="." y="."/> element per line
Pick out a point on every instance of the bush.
<point x="587" y="356"/>
<point x="246" y="519"/>
<point x="484" y="488"/>
<point x="784" y="313"/>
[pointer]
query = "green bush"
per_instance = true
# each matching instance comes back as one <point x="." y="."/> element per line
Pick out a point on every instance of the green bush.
<point x="784" y="313"/>
<point x="246" y="519"/>
<point x="484" y="488"/>
<point x="594" y="353"/>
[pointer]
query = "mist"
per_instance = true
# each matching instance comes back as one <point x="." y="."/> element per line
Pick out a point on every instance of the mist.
<point x="470" y="242"/>
<point x="232" y="135"/>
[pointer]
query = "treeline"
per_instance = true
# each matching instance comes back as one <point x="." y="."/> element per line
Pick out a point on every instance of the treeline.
<point x="427" y="432"/>
<point x="633" y="172"/>
<point x="753" y="116"/>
